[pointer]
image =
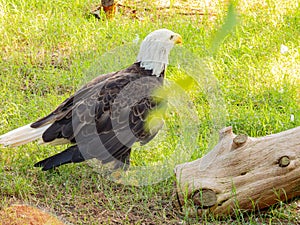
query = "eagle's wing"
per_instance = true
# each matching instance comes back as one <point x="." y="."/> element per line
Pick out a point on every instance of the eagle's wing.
<point x="146" y="131"/>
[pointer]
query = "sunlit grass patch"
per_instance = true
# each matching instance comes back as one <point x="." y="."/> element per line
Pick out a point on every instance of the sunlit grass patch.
<point x="50" y="48"/>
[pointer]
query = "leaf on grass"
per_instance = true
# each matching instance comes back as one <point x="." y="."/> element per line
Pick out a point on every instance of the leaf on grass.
<point x="229" y="24"/>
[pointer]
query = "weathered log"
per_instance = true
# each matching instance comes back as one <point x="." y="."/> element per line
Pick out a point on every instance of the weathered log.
<point x="241" y="173"/>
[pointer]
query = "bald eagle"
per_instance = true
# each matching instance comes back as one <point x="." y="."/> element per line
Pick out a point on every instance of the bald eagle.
<point x="107" y="116"/>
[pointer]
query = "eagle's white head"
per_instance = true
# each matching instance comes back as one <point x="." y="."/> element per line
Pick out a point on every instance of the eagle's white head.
<point x="155" y="49"/>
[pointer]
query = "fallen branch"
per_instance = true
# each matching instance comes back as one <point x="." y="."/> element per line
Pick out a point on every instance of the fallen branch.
<point x="242" y="173"/>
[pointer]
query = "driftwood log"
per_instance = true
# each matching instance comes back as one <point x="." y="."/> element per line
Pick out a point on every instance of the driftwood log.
<point x="241" y="173"/>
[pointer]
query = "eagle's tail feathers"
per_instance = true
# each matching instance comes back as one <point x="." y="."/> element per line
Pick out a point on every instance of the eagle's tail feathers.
<point x="22" y="135"/>
<point x="70" y="155"/>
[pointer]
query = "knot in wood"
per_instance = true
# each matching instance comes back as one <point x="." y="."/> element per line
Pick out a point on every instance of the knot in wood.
<point x="284" y="161"/>
<point x="240" y="139"/>
<point x="205" y="198"/>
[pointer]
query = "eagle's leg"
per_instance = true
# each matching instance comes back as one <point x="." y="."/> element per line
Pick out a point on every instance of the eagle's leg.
<point x="123" y="161"/>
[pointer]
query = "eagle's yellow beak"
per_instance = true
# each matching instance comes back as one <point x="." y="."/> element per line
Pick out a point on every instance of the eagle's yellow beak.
<point x="178" y="40"/>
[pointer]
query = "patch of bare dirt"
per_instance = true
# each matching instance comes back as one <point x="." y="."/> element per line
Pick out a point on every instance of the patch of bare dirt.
<point x="26" y="215"/>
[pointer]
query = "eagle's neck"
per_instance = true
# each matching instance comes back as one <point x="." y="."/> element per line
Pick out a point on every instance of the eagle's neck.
<point x="154" y="55"/>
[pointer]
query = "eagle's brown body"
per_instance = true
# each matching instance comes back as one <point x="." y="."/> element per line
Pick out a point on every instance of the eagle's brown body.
<point x="95" y="122"/>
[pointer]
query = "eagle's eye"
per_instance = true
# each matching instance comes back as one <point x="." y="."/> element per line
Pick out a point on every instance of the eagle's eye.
<point x="171" y="37"/>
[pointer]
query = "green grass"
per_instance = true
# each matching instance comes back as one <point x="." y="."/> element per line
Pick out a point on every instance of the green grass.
<point x="49" y="48"/>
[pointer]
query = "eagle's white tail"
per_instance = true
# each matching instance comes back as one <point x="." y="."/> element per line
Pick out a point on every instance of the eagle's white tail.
<point x="22" y="135"/>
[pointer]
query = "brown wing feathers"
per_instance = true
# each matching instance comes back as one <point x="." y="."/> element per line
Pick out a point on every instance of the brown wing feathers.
<point x="101" y="119"/>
